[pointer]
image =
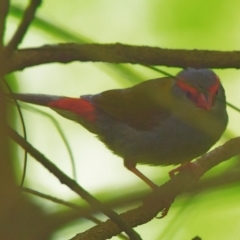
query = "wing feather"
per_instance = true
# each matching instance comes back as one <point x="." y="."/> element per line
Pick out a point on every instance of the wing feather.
<point x="142" y="106"/>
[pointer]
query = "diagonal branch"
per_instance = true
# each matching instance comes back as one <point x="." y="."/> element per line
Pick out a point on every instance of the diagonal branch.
<point x="153" y="204"/>
<point x="23" y="26"/>
<point x="4" y="5"/>
<point x="64" y="179"/>
<point x="121" y="53"/>
<point x="229" y="177"/>
<point x="155" y="201"/>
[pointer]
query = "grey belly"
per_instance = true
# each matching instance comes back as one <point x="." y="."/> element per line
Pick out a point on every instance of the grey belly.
<point x="172" y="143"/>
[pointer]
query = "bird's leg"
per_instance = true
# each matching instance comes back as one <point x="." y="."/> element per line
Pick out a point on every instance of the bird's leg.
<point x="132" y="167"/>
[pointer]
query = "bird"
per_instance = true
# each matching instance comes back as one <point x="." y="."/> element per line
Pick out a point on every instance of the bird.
<point x="163" y="121"/>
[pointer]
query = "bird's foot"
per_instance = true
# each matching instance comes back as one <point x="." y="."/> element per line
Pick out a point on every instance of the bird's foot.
<point x="165" y="210"/>
<point x="195" y="168"/>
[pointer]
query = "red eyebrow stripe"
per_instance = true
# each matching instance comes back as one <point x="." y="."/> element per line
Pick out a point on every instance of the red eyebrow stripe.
<point x="185" y="86"/>
<point x="213" y="89"/>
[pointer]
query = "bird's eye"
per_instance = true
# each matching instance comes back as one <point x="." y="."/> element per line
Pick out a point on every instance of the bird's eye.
<point x="216" y="93"/>
<point x="188" y="94"/>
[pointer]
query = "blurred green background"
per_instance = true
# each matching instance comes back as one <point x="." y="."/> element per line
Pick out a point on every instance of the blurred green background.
<point x="213" y="25"/>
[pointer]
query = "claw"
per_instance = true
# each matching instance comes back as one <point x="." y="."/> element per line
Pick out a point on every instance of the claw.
<point x="164" y="211"/>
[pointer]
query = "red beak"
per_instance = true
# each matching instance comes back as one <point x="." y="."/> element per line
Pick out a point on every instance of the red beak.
<point x="204" y="102"/>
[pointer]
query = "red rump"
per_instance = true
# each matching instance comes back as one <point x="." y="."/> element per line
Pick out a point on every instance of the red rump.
<point x="78" y="106"/>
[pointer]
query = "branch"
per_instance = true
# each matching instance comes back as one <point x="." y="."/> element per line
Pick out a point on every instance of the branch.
<point x="79" y="210"/>
<point x="23" y="26"/>
<point x="64" y="179"/>
<point x="4" y="5"/>
<point x="154" y="203"/>
<point x="224" y="180"/>
<point x="168" y="191"/>
<point x="56" y="222"/>
<point x="120" y="53"/>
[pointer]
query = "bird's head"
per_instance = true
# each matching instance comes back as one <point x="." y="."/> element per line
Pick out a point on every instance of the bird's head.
<point x="199" y="99"/>
<point x="200" y="86"/>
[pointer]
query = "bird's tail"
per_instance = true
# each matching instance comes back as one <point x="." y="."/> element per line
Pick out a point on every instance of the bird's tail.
<point x="76" y="109"/>
<point x="39" y="99"/>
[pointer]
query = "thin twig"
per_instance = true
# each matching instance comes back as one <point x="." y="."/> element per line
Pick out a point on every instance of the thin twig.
<point x="62" y="202"/>
<point x="23" y="26"/>
<point x="64" y="179"/>
<point x="24" y="131"/>
<point x="52" y="28"/>
<point x="80" y="210"/>
<point x="4" y="6"/>
<point x="60" y="132"/>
